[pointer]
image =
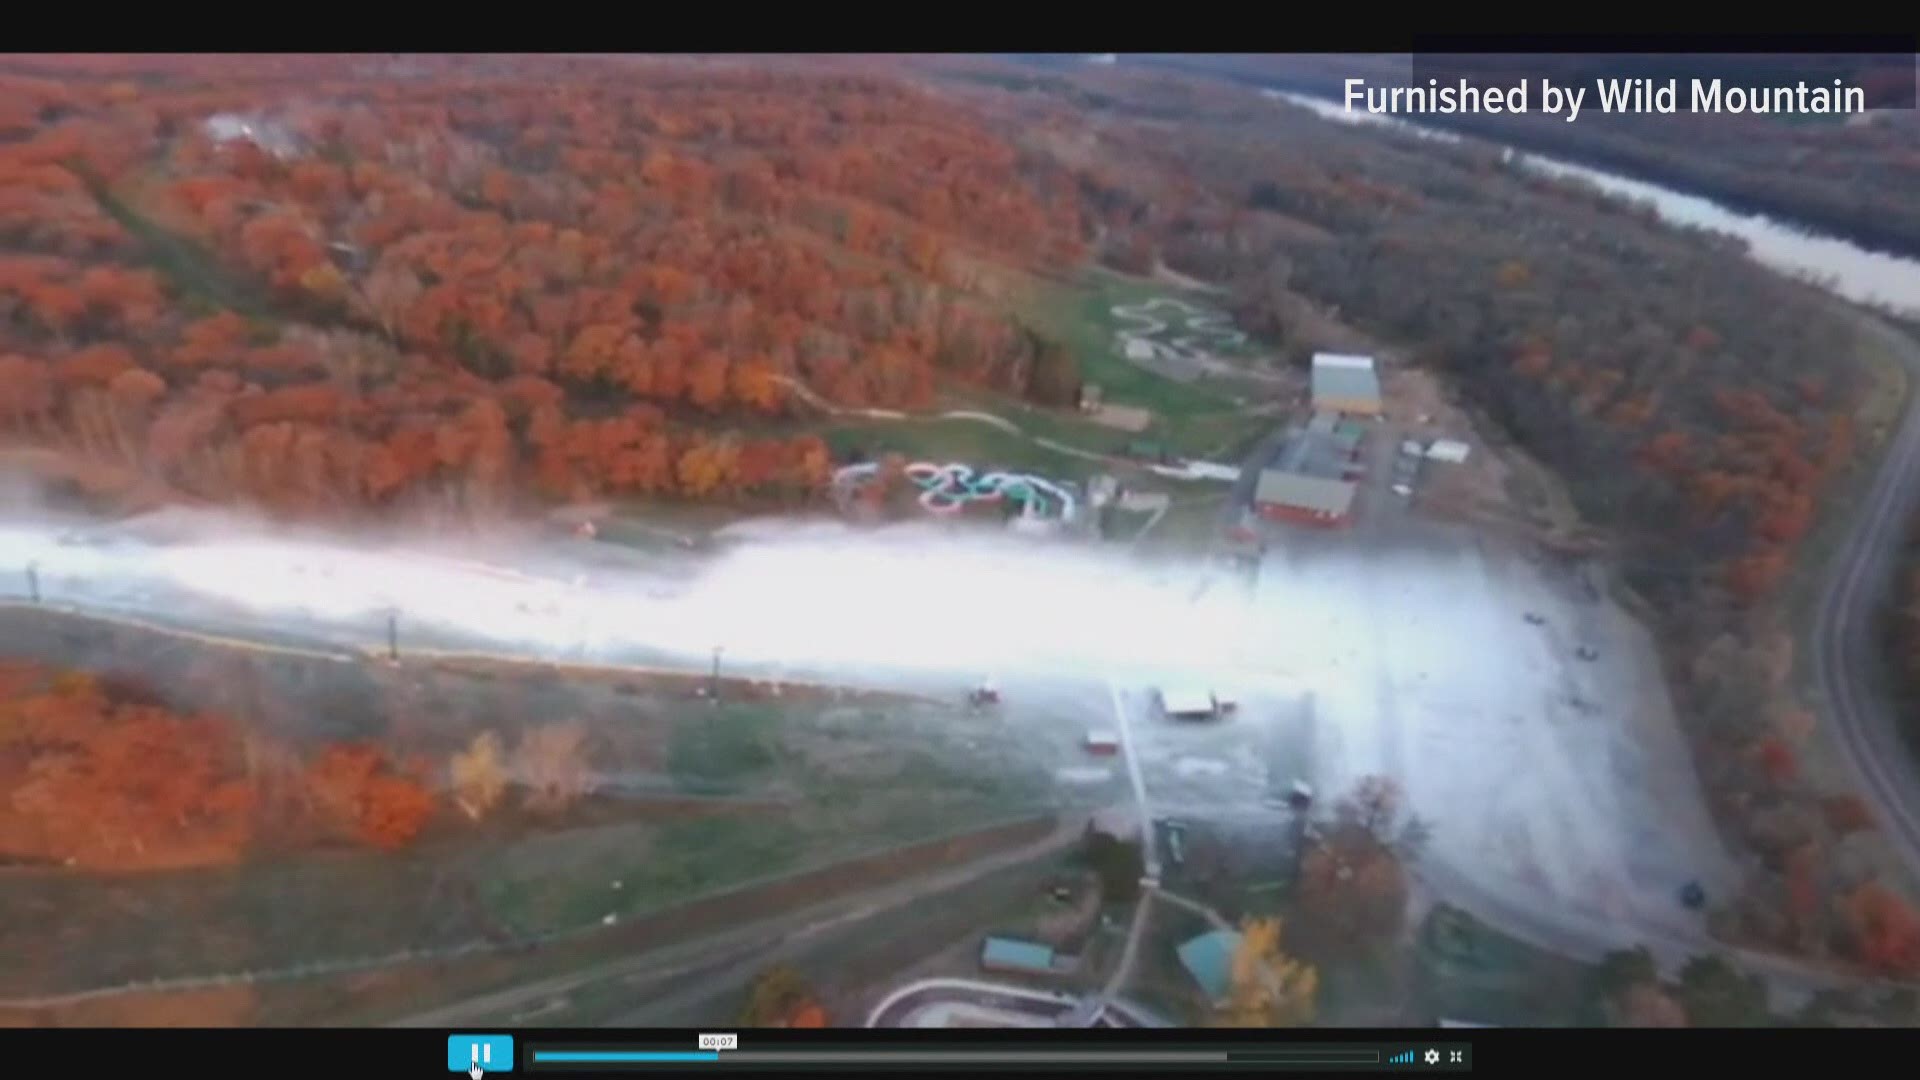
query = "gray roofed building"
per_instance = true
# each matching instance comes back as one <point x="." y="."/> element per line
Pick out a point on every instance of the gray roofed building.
<point x="1326" y="447"/>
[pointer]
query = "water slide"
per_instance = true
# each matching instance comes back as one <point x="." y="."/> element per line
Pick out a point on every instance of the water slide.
<point x="946" y="489"/>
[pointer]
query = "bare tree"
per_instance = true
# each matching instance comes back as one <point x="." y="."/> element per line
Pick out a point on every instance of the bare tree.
<point x="553" y="765"/>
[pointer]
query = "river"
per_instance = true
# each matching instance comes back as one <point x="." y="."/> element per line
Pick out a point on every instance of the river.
<point x="1851" y="271"/>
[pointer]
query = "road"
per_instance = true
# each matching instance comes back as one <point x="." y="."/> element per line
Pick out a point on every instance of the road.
<point x="1037" y="1008"/>
<point x="1845" y="666"/>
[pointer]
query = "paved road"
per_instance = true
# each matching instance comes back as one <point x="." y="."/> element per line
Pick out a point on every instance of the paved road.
<point x="1042" y="1007"/>
<point x="1845" y="664"/>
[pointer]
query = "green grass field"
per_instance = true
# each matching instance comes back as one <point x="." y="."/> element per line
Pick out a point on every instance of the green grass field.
<point x="1469" y="971"/>
<point x="975" y="443"/>
<point x="914" y="778"/>
<point x="721" y="749"/>
<point x="1217" y="436"/>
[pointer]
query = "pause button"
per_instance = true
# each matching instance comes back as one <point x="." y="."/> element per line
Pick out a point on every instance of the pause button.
<point x="485" y="1053"/>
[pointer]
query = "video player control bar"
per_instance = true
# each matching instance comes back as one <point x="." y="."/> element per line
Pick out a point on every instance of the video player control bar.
<point x="1436" y="1057"/>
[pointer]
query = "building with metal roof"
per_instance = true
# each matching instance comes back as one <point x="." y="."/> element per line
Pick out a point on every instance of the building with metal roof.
<point x="1345" y="384"/>
<point x="1312" y="500"/>
<point x="1209" y="959"/>
<point x="1009" y="954"/>
<point x="1188" y="701"/>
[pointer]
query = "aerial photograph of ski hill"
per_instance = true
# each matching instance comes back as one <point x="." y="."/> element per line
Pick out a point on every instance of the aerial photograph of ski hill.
<point x="933" y="541"/>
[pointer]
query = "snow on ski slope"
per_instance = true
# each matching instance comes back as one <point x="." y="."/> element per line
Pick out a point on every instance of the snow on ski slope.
<point x="1552" y="779"/>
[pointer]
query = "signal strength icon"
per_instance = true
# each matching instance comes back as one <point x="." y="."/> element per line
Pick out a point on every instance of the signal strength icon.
<point x="1403" y="1058"/>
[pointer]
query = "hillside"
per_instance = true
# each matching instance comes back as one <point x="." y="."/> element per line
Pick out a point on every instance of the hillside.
<point x="328" y="284"/>
<point x="1713" y="417"/>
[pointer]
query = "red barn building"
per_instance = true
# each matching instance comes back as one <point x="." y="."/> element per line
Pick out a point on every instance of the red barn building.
<point x="1304" y="500"/>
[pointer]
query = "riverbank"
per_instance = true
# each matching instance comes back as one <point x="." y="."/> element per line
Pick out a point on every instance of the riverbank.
<point x="1614" y="151"/>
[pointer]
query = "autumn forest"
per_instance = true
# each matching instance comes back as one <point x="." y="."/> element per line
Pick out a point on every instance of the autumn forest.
<point x="482" y="287"/>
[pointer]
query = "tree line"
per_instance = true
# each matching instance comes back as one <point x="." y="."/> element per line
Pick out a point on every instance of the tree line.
<point x="104" y="775"/>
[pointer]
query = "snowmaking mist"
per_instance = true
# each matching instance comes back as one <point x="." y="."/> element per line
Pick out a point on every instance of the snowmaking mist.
<point x="909" y="598"/>
<point x="1554" y="780"/>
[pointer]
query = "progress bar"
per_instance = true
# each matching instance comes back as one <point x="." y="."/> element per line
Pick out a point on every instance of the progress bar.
<point x="1400" y="1057"/>
<point x="615" y="1057"/>
<point x="932" y="1057"/>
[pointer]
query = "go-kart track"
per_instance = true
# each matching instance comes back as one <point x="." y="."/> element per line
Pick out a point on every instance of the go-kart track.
<point x="1550" y="783"/>
<point x="1182" y="357"/>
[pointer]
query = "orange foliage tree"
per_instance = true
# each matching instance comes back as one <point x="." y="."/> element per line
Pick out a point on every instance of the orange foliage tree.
<point x="112" y="783"/>
<point x="360" y="794"/>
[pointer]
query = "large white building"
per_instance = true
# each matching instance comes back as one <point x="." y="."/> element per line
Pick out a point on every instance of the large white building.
<point x="1345" y="384"/>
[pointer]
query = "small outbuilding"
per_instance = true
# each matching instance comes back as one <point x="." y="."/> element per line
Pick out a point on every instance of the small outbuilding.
<point x="1188" y="703"/>
<point x="1209" y="960"/>
<point x="1010" y="954"/>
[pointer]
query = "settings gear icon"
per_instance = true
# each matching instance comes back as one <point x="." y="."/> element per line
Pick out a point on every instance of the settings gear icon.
<point x="1433" y="1057"/>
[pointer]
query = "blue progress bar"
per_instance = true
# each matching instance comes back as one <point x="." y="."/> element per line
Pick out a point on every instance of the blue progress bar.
<point x="626" y="1055"/>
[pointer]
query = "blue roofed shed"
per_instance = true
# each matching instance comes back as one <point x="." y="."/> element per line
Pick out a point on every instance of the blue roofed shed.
<point x="1209" y="959"/>
<point x="1007" y="954"/>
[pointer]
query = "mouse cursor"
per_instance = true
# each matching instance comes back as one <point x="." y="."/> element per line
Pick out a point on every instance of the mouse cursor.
<point x="476" y="1072"/>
